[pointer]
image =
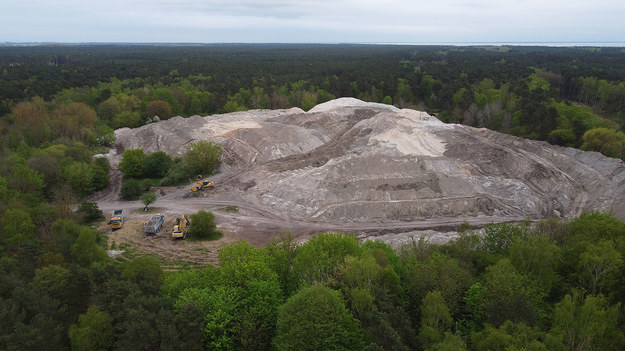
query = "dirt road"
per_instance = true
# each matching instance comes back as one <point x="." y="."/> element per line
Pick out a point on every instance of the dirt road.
<point x="253" y="222"/>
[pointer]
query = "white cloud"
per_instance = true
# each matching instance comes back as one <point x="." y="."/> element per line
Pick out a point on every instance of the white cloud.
<point x="311" y="20"/>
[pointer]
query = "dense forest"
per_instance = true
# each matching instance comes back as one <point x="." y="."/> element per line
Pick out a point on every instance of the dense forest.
<point x="548" y="285"/>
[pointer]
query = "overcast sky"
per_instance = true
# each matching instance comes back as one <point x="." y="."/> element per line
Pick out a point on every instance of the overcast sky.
<point x="316" y="21"/>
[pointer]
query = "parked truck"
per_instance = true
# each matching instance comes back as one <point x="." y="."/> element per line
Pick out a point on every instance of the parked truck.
<point x="155" y="223"/>
<point x="117" y="219"/>
<point x="181" y="228"/>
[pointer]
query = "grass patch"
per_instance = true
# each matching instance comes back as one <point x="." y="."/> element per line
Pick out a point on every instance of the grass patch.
<point x="214" y="236"/>
<point x="231" y="208"/>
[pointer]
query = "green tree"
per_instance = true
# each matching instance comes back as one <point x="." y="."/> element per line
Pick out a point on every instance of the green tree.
<point x="435" y="319"/>
<point x="509" y="336"/>
<point x="89" y="212"/>
<point x="508" y="295"/>
<point x="538" y="258"/>
<point x="319" y="259"/>
<point x="127" y="119"/>
<point x="108" y="109"/>
<point x="499" y="236"/>
<point x="606" y="141"/>
<point x="316" y="319"/>
<point x="132" y="163"/>
<point x="26" y="180"/>
<point x="131" y="189"/>
<point x="32" y="119"/>
<point x="202" y="157"/>
<point x="148" y="198"/>
<point x="52" y="280"/>
<point x="94" y="331"/>
<point x="600" y="267"/>
<point x="145" y="272"/>
<point x="281" y="253"/>
<point x="158" y="108"/>
<point x="73" y="121"/>
<point x="79" y="176"/>
<point x="203" y="226"/>
<point x="436" y="272"/>
<point x="17" y="229"/>
<point x="156" y="165"/>
<point x="86" y="250"/>
<point x="588" y="323"/>
<point x="451" y="342"/>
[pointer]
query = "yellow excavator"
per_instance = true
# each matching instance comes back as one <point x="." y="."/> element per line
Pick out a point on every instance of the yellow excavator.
<point x="199" y="186"/>
<point x="181" y="228"/>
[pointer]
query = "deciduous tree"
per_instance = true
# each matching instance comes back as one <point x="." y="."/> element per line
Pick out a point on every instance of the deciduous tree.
<point x="316" y="319"/>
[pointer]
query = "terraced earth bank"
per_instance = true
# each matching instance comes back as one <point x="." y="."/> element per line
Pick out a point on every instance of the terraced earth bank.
<point x="373" y="168"/>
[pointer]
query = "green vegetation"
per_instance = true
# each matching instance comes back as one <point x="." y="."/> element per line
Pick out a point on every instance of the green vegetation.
<point x="551" y="94"/>
<point x="551" y="285"/>
<point x="203" y="226"/>
<point x="544" y="286"/>
<point x="231" y="208"/>
<point x="148" y="198"/>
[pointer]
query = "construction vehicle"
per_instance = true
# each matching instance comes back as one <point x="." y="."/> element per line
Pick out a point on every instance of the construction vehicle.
<point x="199" y="186"/>
<point x="117" y="219"/>
<point x="181" y="228"/>
<point x="155" y="223"/>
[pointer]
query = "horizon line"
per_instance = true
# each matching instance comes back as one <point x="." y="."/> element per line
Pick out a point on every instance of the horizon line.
<point x="571" y="43"/>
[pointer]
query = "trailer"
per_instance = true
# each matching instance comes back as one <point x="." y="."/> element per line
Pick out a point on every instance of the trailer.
<point x="155" y="223"/>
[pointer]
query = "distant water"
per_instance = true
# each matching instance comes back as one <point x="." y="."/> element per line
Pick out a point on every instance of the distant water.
<point x="521" y="43"/>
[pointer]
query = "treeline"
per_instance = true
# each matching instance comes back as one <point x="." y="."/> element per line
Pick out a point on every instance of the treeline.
<point x="551" y="94"/>
<point x="552" y="285"/>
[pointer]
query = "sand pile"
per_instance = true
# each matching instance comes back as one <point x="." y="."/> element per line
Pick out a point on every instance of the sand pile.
<point x="351" y="161"/>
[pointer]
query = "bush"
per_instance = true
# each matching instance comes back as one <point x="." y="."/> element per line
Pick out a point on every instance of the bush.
<point x="203" y="226"/>
<point x="176" y="174"/>
<point x="103" y="163"/>
<point x="202" y="157"/>
<point x="132" y="163"/>
<point x="131" y="189"/>
<point x="156" y="165"/>
<point x="89" y="212"/>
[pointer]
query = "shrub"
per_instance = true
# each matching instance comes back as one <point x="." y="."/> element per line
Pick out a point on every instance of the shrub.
<point x="202" y="157"/>
<point x="132" y="163"/>
<point x="89" y="212"/>
<point x="156" y="165"/>
<point x="203" y="226"/>
<point x="131" y="189"/>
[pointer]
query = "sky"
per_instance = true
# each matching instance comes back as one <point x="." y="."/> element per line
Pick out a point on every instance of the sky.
<point x="312" y="21"/>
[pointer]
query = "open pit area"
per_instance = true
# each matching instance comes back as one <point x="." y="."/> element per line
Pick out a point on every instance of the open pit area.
<point x="369" y="169"/>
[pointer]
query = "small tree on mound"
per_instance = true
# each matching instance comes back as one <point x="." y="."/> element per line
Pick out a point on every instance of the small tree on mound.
<point x="203" y="226"/>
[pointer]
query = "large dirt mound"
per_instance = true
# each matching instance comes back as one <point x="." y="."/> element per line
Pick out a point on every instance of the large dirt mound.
<point x="347" y="161"/>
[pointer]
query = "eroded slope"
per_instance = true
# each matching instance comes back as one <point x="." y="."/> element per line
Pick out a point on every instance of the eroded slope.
<point x="349" y="161"/>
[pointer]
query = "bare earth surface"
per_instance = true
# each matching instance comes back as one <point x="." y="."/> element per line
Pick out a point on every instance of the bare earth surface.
<point x="369" y="169"/>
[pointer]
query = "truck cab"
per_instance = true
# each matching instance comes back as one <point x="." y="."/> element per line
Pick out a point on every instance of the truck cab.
<point x="117" y="219"/>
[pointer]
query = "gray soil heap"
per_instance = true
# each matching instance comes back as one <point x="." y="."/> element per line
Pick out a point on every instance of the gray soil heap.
<point x="351" y="163"/>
